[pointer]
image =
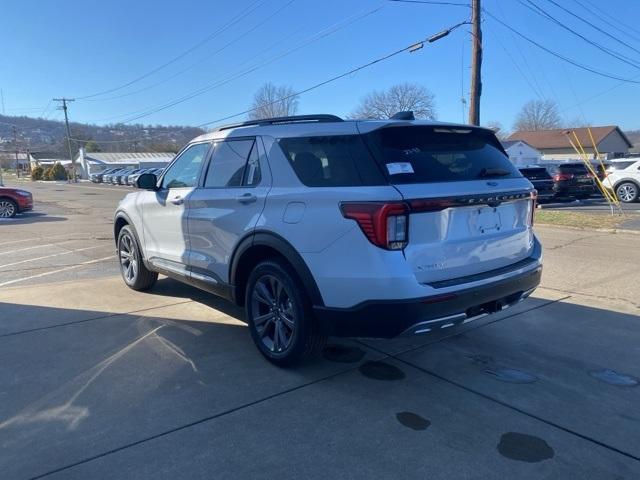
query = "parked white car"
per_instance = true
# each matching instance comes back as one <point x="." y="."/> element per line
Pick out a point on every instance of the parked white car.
<point x="623" y="178"/>
<point x="319" y="226"/>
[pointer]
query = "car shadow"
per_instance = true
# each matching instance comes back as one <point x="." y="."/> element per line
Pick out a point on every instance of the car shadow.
<point x="166" y="286"/>
<point x="31" y="217"/>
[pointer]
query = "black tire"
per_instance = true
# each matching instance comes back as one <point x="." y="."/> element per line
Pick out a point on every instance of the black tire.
<point x="132" y="268"/>
<point x="627" y="192"/>
<point x="287" y="309"/>
<point x="8" y="208"/>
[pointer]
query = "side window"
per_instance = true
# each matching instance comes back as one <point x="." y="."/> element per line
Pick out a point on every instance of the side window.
<point x="228" y="162"/>
<point x="185" y="170"/>
<point x="252" y="174"/>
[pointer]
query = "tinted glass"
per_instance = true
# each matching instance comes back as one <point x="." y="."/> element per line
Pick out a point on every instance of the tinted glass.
<point x="252" y="174"/>
<point x="332" y="161"/>
<point x="575" y="168"/>
<point x="228" y="160"/>
<point x="185" y="170"/>
<point x="429" y="154"/>
<point x="621" y="165"/>
<point x="535" y="173"/>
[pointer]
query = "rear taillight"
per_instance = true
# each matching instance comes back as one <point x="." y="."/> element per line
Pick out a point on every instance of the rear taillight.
<point x="386" y="225"/>
<point x="534" y="201"/>
<point x="558" y="177"/>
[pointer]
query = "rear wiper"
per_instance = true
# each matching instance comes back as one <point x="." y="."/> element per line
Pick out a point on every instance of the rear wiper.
<point x="493" y="172"/>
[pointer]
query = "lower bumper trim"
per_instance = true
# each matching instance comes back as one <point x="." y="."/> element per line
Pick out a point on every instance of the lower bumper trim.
<point x="392" y="318"/>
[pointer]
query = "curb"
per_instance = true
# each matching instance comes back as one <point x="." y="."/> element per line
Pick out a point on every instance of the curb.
<point x="602" y="230"/>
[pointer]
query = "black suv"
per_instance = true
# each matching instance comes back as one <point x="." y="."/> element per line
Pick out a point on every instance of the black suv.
<point x="572" y="180"/>
<point x="541" y="180"/>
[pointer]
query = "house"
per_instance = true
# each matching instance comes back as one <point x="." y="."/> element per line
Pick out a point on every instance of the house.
<point x="521" y="153"/>
<point x="8" y="161"/>
<point x="610" y="141"/>
<point x="93" y="162"/>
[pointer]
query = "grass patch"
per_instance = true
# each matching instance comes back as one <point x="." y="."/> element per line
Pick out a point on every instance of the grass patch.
<point x="578" y="219"/>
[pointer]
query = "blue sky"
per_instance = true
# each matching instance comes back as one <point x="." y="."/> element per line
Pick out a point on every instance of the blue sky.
<point x="77" y="48"/>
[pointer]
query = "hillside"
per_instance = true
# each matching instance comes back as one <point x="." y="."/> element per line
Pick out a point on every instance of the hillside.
<point x="39" y="134"/>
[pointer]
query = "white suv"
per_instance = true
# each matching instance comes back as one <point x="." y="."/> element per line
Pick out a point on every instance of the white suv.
<point x="623" y="178"/>
<point x="320" y="226"/>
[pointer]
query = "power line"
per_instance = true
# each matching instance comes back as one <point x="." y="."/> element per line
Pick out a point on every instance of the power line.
<point x="543" y="13"/>
<point x="536" y="91"/>
<point x="592" y="25"/>
<point x="602" y="16"/>
<point x="191" y="66"/>
<point x="558" y="55"/>
<point x="604" y="13"/>
<point x="218" y="83"/>
<point x="434" y="2"/>
<point x="252" y="7"/>
<point x="410" y="48"/>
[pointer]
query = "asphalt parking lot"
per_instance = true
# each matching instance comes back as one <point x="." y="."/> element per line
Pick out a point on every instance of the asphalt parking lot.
<point x="98" y="381"/>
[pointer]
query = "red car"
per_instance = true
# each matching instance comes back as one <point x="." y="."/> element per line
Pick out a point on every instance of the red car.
<point x="14" y="200"/>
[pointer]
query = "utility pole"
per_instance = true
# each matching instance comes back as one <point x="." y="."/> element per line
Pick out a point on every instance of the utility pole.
<point x="476" y="63"/>
<point x="66" y="121"/>
<point x="15" y="144"/>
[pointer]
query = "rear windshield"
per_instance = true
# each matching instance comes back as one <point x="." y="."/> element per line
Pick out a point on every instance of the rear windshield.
<point x="426" y="154"/>
<point x="539" y="173"/>
<point x="575" y="168"/>
<point x="332" y="161"/>
<point x="621" y="165"/>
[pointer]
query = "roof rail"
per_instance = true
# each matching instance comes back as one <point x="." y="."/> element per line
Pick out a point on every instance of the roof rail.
<point x="278" y="120"/>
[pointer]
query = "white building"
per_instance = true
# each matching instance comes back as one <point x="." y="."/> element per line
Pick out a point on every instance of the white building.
<point x="521" y="153"/>
<point x="556" y="145"/>
<point x="93" y="162"/>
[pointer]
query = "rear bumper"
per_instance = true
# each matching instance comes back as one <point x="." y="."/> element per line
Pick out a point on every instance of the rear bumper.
<point x="585" y="189"/>
<point x="391" y="318"/>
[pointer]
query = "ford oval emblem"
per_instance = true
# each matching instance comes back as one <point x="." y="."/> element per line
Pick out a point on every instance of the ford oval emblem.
<point x="492" y="184"/>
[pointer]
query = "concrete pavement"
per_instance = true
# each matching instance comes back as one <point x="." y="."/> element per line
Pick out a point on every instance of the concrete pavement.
<point x="98" y="381"/>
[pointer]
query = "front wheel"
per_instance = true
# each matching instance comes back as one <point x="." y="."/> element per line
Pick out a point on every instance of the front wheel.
<point x="627" y="192"/>
<point x="8" y="208"/>
<point x="134" y="272"/>
<point x="279" y="315"/>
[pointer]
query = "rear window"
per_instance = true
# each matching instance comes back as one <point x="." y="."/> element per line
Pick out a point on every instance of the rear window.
<point x="621" y="165"/>
<point x="575" y="168"/>
<point x="535" y="173"/>
<point x="426" y="154"/>
<point x="332" y="161"/>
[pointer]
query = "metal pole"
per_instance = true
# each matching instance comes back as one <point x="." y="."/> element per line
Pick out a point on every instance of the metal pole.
<point x="15" y="144"/>
<point x="66" y="121"/>
<point x="476" y="63"/>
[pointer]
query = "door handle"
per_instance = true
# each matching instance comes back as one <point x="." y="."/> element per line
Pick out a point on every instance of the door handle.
<point x="177" y="200"/>
<point x="246" y="198"/>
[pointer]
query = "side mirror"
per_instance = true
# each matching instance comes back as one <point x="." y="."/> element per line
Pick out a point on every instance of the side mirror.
<point x="147" y="181"/>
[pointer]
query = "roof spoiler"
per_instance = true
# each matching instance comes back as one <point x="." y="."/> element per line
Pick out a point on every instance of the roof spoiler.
<point x="406" y="115"/>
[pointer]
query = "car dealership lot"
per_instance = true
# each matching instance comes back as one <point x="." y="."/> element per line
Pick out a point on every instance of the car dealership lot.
<point x="98" y="381"/>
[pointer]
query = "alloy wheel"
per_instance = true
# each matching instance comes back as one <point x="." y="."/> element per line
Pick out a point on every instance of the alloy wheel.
<point x="128" y="258"/>
<point x="273" y="313"/>
<point x="627" y="192"/>
<point x="7" y="209"/>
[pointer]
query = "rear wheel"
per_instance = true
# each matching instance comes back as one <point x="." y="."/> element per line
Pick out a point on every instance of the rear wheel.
<point x="134" y="273"/>
<point x="279" y="315"/>
<point x="8" y="208"/>
<point x="627" y="192"/>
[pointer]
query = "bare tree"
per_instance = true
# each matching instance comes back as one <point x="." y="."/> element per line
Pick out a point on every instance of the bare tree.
<point x="538" y="115"/>
<point x="398" y="98"/>
<point x="273" y="101"/>
<point x="498" y="129"/>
